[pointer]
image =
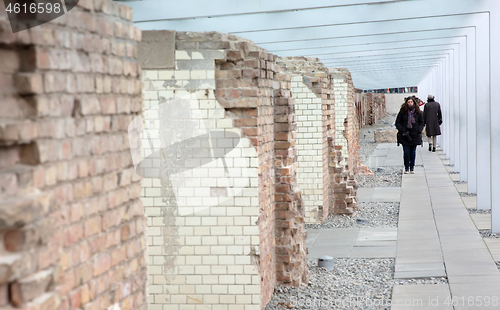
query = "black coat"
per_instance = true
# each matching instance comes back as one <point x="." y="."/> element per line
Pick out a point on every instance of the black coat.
<point x="432" y="118"/>
<point x="415" y="132"/>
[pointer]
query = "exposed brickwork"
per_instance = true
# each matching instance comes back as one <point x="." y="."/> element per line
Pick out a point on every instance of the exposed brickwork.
<point x="347" y="127"/>
<point x="332" y="181"/>
<point x="260" y="233"/>
<point x="72" y="224"/>
<point x="312" y="89"/>
<point x="291" y="251"/>
<point x="370" y="107"/>
<point x="343" y="185"/>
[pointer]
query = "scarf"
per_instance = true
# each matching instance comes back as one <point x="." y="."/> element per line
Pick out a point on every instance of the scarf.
<point x="411" y="117"/>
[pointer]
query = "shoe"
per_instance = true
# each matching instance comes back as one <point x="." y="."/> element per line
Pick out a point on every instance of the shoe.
<point x="412" y="172"/>
<point x="430" y="147"/>
<point x="406" y="172"/>
<point x="434" y="149"/>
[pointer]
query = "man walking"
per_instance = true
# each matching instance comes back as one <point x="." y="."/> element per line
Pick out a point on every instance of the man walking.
<point x="432" y="119"/>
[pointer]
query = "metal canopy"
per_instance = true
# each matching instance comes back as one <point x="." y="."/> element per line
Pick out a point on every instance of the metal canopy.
<point x="379" y="36"/>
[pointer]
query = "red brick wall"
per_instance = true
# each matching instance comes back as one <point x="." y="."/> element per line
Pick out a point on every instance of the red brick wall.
<point x="266" y="109"/>
<point x="71" y="222"/>
<point x="258" y="98"/>
<point x="370" y="107"/>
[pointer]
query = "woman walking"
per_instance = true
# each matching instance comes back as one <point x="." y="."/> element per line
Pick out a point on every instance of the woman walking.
<point x="409" y="123"/>
<point x="432" y="119"/>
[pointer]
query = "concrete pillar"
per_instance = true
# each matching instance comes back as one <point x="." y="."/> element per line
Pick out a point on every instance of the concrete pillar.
<point x="471" y="112"/>
<point x="495" y="124"/>
<point x="483" y="114"/>
<point x="462" y="63"/>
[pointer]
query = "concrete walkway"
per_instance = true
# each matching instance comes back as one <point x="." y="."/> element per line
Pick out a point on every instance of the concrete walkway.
<point x="436" y="237"/>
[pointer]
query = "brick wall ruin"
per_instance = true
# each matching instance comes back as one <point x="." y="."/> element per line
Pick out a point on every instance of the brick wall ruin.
<point x="326" y="184"/>
<point x="346" y="122"/>
<point x="370" y="107"/>
<point x="211" y="164"/>
<point x="71" y="221"/>
<point x="244" y="232"/>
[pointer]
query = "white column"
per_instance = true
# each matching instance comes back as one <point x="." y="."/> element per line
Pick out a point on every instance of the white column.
<point x="451" y="106"/>
<point x="495" y="111"/>
<point x="456" y="107"/>
<point x="471" y="113"/>
<point x="463" y="109"/>
<point x="483" y="114"/>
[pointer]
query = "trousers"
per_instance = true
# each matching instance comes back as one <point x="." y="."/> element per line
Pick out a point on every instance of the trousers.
<point x="409" y="154"/>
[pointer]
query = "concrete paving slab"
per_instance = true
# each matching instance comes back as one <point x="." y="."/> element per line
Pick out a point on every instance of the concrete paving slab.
<point x="471" y="268"/>
<point x="360" y="243"/>
<point x="333" y="251"/>
<point x="378" y="234"/>
<point x="461" y="187"/>
<point x="419" y="267"/>
<point x="422" y="297"/>
<point x="493" y="245"/>
<point x="475" y="296"/>
<point x="386" y="194"/>
<point x="373" y="252"/>
<point x="452" y="279"/>
<point x="481" y="254"/>
<point x="470" y="202"/>
<point x="378" y="152"/>
<point x="482" y="221"/>
<point x="455" y="176"/>
<point x="450" y="169"/>
<point x="418" y="257"/>
<point x="364" y="194"/>
<point x="385" y="145"/>
<point x="419" y="274"/>
<point x="417" y="235"/>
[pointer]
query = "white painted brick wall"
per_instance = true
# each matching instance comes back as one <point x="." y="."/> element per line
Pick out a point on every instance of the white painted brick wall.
<point x="309" y="147"/>
<point x="200" y="259"/>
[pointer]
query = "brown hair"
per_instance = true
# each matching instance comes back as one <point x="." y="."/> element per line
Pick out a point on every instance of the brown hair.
<point x="404" y="106"/>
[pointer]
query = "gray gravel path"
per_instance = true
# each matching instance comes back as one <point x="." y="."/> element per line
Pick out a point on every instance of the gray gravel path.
<point x="486" y="233"/>
<point x="478" y="211"/>
<point x="383" y="177"/>
<point x="352" y="284"/>
<point x="370" y="214"/>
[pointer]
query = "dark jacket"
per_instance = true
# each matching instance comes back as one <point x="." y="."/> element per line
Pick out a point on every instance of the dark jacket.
<point x="415" y="132"/>
<point x="432" y="118"/>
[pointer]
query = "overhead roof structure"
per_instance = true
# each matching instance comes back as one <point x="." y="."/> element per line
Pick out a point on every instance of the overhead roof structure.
<point x="445" y="47"/>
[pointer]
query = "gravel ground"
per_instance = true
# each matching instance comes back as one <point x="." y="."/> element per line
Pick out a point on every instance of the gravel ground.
<point x="383" y="177"/>
<point x="366" y="149"/>
<point x="476" y="211"/>
<point x="486" y="233"/>
<point x="464" y="194"/>
<point x="370" y="214"/>
<point x="352" y="284"/>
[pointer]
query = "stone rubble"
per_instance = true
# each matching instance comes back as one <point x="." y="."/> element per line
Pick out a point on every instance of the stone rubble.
<point x="486" y="233"/>
<point x="377" y="214"/>
<point x="362" y="284"/>
<point x="389" y="177"/>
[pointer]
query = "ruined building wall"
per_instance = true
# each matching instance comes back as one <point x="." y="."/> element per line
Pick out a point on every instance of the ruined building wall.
<point x="71" y="221"/>
<point x="248" y="232"/>
<point x="346" y="122"/>
<point x="370" y="107"/>
<point x="328" y="187"/>
<point x="313" y="94"/>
